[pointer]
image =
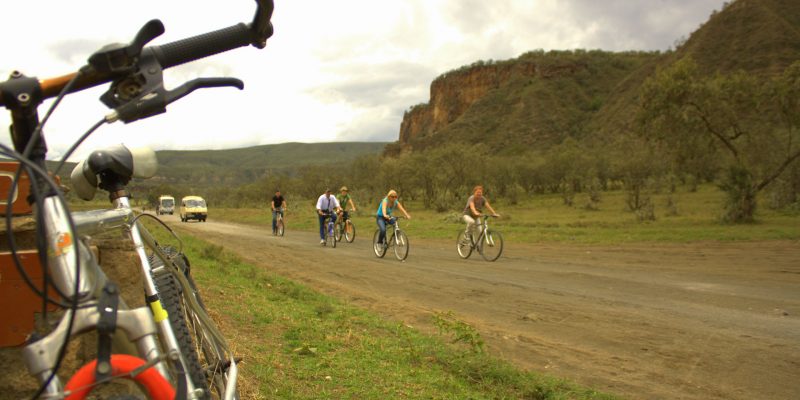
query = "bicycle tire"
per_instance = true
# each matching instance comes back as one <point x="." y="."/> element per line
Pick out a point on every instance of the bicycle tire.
<point x="171" y="299"/>
<point x="401" y="245"/>
<point x="337" y="231"/>
<point x="379" y="251"/>
<point x="463" y="245"/>
<point x="491" y="245"/>
<point x="199" y="341"/>
<point x="350" y="235"/>
<point x="332" y="238"/>
<point x="280" y="227"/>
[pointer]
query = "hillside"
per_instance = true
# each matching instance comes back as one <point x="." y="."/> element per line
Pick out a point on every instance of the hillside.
<point x="243" y="165"/>
<point x="758" y="36"/>
<point x="536" y="100"/>
<point x="540" y="98"/>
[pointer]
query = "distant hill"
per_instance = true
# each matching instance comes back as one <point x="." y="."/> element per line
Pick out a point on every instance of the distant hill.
<point x="244" y="165"/>
<point x="541" y="98"/>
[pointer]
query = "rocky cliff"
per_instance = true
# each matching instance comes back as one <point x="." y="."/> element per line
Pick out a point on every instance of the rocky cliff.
<point x="453" y="93"/>
<point x="534" y="100"/>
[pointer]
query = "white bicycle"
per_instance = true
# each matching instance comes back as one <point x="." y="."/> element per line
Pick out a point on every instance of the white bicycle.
<point x="178" y="352"/>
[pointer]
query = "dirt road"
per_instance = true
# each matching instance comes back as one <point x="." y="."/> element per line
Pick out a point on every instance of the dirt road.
<point x="698" y="321"/>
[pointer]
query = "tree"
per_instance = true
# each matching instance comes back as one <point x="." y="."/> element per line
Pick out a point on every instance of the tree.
<point x="753" y="124"/>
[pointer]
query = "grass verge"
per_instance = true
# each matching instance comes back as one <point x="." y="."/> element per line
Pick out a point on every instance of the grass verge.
<point x="677" y="217"/>
<point x="300" y="344"/>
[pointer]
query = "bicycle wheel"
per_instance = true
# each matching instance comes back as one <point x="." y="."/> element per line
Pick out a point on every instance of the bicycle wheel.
<point x="491" y="245"/>
<point x="171" y="295"/>
<point x="201" y="340"/>
<point x="337" y="231"/>
<point x="332" y="229"/>
<point x="379" y="249"/>
<point x="464" y="245"/>
<point x="350" y="231"/>
<point x="280" y="227"/>
<point x="400" y="245"/>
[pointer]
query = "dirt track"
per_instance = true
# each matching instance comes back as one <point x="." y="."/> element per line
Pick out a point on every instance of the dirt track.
<point x="699" y="321"/>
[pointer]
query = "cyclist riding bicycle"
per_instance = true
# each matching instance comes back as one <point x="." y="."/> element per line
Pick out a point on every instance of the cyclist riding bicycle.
<point x="344" y="198"/>
<point x="384" y="214"/>
<point x="474" y="209"/>
<point x="327" y="206"/>
<point x="278" y="204"/>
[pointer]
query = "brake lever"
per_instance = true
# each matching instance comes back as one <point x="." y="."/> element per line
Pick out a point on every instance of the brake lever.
<point x="200" y="83"/>
<point x="155" y="102"/>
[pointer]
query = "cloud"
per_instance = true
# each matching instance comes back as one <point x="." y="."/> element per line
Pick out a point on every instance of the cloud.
<point x="377" y="84"/>
<point x="74" y="51"/>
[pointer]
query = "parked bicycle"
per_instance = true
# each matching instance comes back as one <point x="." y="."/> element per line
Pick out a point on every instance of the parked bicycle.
<point x="397" y="240"/>
<point x="179" y="353"/>
<point x="489" y="243"/>
<point x="345" y="228"/>
<point x="330" y="230"/>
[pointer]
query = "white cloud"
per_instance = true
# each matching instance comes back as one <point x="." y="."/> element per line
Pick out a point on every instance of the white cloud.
<point x="335" y="70"/>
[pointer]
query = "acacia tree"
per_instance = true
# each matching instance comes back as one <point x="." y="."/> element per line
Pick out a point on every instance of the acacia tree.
<point x="754" y="125"/>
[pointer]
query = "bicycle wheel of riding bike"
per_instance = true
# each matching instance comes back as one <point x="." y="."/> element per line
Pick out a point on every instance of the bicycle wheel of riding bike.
<point x="207" y="361"/>
<point x="378" y="249"/>
<point x="280" y="227"/>
<point x="337" y="231"/>
<point x="332" y="229"/>
<point x="349" y="231"/>
<point x="400" y="243"/>
<point x="463" y="245"/>
<point x="491" y="245"/>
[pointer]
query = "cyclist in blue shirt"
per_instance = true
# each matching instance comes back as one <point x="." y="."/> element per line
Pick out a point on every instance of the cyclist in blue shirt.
<point x="384" y="214"/>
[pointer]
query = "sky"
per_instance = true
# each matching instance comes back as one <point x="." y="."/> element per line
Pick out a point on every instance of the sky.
<point x="333" y="71"/>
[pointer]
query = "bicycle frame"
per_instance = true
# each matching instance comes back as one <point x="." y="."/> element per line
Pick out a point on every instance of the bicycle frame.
<point x="71" y="267"/>
<point x="395" y="228"/>
<point x="483" y="227"/>
<point x="140" y="324"/>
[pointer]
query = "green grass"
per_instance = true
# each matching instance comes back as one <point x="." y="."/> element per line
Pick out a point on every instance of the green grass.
<point x="300" y="344"/>
<point x="544" y="218"/>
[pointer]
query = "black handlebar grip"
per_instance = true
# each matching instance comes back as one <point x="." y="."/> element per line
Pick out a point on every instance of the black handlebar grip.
<point x="200" y="46"/>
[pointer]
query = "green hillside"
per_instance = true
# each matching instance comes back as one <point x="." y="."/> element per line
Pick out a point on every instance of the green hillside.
<point x="243" y="165"/>
<point x="761" y="37"/>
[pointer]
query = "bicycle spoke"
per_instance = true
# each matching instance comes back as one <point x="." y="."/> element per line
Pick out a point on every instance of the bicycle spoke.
<point x="401" y="245"/>
<point x="463" y="245"/>
<point x="491" y="245"/>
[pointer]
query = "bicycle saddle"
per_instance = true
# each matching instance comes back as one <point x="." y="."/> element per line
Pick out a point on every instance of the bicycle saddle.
<point x="115" y="166"/>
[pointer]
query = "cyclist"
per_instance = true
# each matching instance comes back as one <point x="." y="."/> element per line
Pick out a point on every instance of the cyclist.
<point x="327" y="206"/>
<point x="474" y="209"/>
<point x="384" y="215"/>
<point x="344" y="198"/>
<point x="278" y="204"/>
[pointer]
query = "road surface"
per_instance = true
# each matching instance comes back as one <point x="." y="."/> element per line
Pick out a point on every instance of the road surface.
<point x="683" y="321"/>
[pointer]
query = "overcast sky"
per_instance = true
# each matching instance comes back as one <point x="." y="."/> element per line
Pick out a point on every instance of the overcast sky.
<point x="334" y="70"/>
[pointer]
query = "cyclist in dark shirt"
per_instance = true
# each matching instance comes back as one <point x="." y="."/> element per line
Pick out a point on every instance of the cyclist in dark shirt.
<point x="278" y="206"/>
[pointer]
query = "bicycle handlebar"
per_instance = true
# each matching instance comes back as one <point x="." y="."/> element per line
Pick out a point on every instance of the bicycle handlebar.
<point x="201" y="46"/>
<point x="173" y="54"/>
